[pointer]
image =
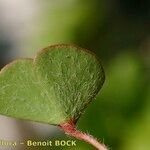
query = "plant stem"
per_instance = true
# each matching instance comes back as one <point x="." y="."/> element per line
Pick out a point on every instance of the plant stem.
<point x="69" y="129"/>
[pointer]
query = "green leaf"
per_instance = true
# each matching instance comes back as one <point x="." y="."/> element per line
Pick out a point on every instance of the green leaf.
<point x="53" y="88"/>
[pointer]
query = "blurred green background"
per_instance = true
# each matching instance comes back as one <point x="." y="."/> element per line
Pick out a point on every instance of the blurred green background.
<point x="118" y="31"/>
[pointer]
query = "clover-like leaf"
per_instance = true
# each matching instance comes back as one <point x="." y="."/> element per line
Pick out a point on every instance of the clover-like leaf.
<point x="53" y="88"/>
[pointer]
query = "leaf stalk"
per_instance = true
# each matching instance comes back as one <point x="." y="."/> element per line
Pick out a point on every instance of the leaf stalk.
<point x="70" y="129"/>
